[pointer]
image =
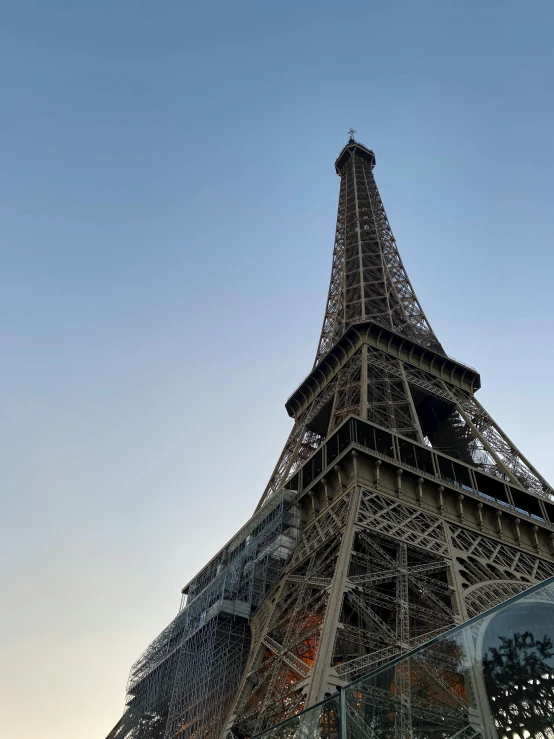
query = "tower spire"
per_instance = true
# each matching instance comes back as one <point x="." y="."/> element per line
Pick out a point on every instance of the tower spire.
<point x="368" y="279"/>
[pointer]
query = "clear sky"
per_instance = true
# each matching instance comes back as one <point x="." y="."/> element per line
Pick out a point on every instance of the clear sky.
<point x="167" y="210"/>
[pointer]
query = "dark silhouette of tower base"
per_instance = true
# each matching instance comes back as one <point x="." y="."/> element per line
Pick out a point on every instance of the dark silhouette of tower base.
<point x="397" y="510"/>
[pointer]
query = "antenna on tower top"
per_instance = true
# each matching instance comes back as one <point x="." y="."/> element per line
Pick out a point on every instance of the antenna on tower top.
<point x="351" y="133"/>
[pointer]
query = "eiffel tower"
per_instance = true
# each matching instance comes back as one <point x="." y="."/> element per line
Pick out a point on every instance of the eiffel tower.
<point x="397" y="510"/>
<point x="418" y="511"/>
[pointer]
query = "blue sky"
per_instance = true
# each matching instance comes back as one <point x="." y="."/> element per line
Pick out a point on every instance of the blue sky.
<point x="167" y="209"/>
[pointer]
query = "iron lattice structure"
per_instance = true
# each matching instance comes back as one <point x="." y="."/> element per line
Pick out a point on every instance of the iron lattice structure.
<point x="397" y="509"/>
<point x="185" y="681"/>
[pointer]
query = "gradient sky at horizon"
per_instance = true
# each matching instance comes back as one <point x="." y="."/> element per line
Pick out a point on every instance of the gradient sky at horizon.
<point x="167" y="212"/>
